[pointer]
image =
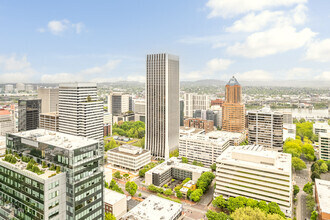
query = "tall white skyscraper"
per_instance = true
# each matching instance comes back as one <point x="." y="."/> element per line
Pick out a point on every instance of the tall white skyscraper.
<point x="49" y="99"/>
<point x="80" y="113"/>
<point x="195" y="102"/>
<point x="162" y="104"/>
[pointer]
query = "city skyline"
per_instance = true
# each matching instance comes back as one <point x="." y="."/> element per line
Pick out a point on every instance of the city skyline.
<point x="271" y="40"/>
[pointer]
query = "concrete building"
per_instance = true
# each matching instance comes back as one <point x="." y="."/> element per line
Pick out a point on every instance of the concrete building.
<point x="7" y="122"/>
<point x="287" y="118"/>
<point x="254" y="172"/>
<point x="162" y="104"/>
<point x="49" y="99"/>
<point x="322" y="197"/>
<point x="9" y="88"/>
<point x="49" y="121"/>
<point x="155" y="208"/>
<point x="207" y="125"/>
<point x="80" y="111"/>
<point x="289" y="131"/>
<point x="81" y="162"/>
<point x="233" y="110"/>
<point x="206" y="148"/>
<point x="20" y="87"/>
<point x="129" y="157"/>
<point x="139" y="106"/>
<point x="29" y="88"/>
<point x="107" y="124"/>
<point x="217" y="102"/>
<point x="324" y="146"/>
<point x="266" y="128"/>
<point x="28" y="114"/>
<point x="173" y="168"/>
<point x="123" y="117"/>
<point x="321" y="128"/>
<point x="118" y="103"/>
<point x="115" y="203"/>
<point x="212" y="115"/>
<point x="195" y="102"/>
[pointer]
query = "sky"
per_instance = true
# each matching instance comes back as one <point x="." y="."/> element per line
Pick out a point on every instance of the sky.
<point x="107" y="40"/>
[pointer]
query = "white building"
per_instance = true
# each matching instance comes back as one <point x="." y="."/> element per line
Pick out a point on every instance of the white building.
<point x="7" y="122"/>
<point x="129" y="157"/>
<point x="155" y="208"/>
<point x="289" y="131"/>
<point x="115" y="203"/>
<point x="20" y="87"/>
<point x="49" y="99"/>
<point x="49" y="121"/>
<point x="9" y="88"/>
<point x="254" y="172"/>
<point x="139" y="106"/>
<point x="206" y="148"/>
<point x="80" y="111"/>
<point x="324" y="146"/>
<point x="195" y="102"/>
<point x="118" y="103"/>
<point x="321" y="128"/>
<point x="162" y="104"/>
<point x="29" y="88"/>
<point x="173" y="168"/>
<point x="322" y="197"/>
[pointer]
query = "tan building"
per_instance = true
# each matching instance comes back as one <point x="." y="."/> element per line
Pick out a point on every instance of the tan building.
<point x="322" y="197"/>
<point x="49" y="99"/>
<point x="233" y="110"/>
<point x="49" y="121"/>
<point x="207" y="125"/>
<point x="7" y="124"/>
<point x="115" y="203"/>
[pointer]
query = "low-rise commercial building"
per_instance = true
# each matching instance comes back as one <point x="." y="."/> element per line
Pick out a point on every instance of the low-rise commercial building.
<point x="206" y="148"/>
<point x="254" y="172"/>
<point x="49" y="121"/>
<point x="321" y="128"/>
<point x="115" y="203"/>
<point x="155" y="208"/>
<point x="129" y="157"/>
<point x="289" y="131"/>
<point x="324" y="146"/>
<point x="173" y="168"/>
<point x="322" y="197"/>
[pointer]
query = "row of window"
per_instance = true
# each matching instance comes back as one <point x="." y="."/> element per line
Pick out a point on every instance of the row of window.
<point x="87" y="184"/>
<point x="87" y="211"/>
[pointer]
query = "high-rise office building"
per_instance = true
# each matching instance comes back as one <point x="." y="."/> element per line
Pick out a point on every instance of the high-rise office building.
<point x="163" y="107"/>
<point x="265" y="128"/>
<point x="195" y="102"/>
<point x="49" y="99"/>
<point x="324" y="143"/>
<point x="80" y="113"/>
<point x="7" y="122"/>
<point x="233" y="110"/>
<point x="64" y="182"/>
<point x="118" y="103"/>
<point x="28" y="114"/>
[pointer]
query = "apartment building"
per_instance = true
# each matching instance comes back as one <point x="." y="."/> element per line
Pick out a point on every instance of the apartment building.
<point x="254" y="172"/>
<point x="206" y="148"/>
<point x="49" y="121"/>
<point x="129" y="157"/>
<point x="115" y="203"/>
<point x="81" y="161"/>
<point x="266" y="128"/>
<point x="173" y="168"/>
<point x="193" y="102"/>
<point x="321" y="128"/>
<point x="49" y="99"/>
<point x="324" y="146"/>
<point x="322" y="197"/>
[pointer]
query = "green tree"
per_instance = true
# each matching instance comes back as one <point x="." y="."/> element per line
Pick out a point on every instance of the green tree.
<point x="213" y="167"/>
<point x="234" y="203"/>
<point x="165" y="185"/>
<point x="109" y="216"/>
<point x="323" y="168"/>
<point x="168" y="192"/>
<point x="219" y="202"/>
<point x="179" y="194"/>
<point x="131" y="188"/>
<point x="310" y="203"/>
<point x="184" y="159"/>
<point x="194" y="163"/>
<point x="295" y="190"/>
<point x="275" y="209"/>
<point x="315" y="175"/>
<point x="263" y="206"/>
<point x="117" y="175"/>
<point x="308" y="150"/>
<point x="212" y="215"/>
<point x="315" y="167"/>
<point x="308" y="188"/>
<point x="252" y="203"/>
<point x="58" y="169"/>
<point x="205" y="180"/>
<point x="44" y="165"/>
<point x="314" y="215"/>
<point x="248" y="213"/>
<point x="186" y="180"/>
<point x="298" y="164"/>
<point x="126" y="175"/>
<point x="196" y="195"/>
<point x="174" y="153"/>
<point x="292" y="147"/>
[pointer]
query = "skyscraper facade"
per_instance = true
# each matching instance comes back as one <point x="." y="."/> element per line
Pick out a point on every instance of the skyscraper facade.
<point x="80" y="113"/>
<point x="118" y="103"/>
<point x="49" y="99"/>
<point x="162" y="104"/>
<point x="195" y="102"/>
<point x="233" y="110"/>
<point x="28" y="114"/>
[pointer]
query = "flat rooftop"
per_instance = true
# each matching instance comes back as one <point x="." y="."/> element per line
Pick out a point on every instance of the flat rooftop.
<point x="323" y="193"/>
<point x="155" y="208"/>
<point x="257" y="156"/>
<point x="129" y="150"/>
<point x="174" y="162"/>
<point x="56" y="139"/>
<point x="326" y="135"/>
<point x="324" y="125"/>
<point x="112" y="197"/>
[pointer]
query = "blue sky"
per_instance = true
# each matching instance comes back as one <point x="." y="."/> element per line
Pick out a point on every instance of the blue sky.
<point x="59" y="41"/>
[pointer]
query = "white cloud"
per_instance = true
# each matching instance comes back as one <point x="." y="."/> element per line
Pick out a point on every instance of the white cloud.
<point x="58" y="27"/>
<point x="15" y="77"/>
<point x="299" y="73"/>
<point x="110" y="65"/>
<point x="61" y="78"/>
<point x="323" y="76"/>
<point x="230" y="8"/>
<point x="319" y="51"/>
<point x="276" y="40"/>
<point x="254" y="75"/>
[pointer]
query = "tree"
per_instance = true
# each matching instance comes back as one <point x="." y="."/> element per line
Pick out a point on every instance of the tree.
<point x="89" y="99"/>
<point x="117" y="175"/>
<point x="315" y="175"/>
<point x="179" y="194"/>
<point x="219" y="202"/>
<point x="234" y="203"/>
<point x="44" y="165"/>
<point x="248" y="213"/>
<point x="310" y="203"/>
<point x="298" y="164"/>
<point x="295" y="190"/>
<point x="58" y="169"/>
<point x="252" y="203"/>
<point x="212" y="215"/>
<point x="165" y="185"/>
<point x="142" y="172"/>
<point x="315" y="167"/>
<point x="184" y="159"/>
<point x="275" y="209"/>
<point x="205" y="180"/>
<point x="196" y="195"/>
<point x="262" y="205"/>
<point x="174" y="153"/>
<point x="126" y="175"/>
<point x="186" y="180"/>
<point x="213" y="167"/>
<point x="109" y="216"/>
<point x="308" y="150"/>
<point x="324" y="168"/>
<point x="293" y="147"/>
<point x="308" y="188"/>
<point x="194" y="163"/>
<point x="131" y="188"/>
<point x="314" y="215"/>
<point x="168" y="192"/>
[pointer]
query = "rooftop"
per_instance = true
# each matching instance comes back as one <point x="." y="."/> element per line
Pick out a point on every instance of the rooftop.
<point x="155" y="208"/>
<point x="4" y="112"/>
<point x="257" y="156"/>
<point x="80" y="84"/>
<point x="111" y="197"/>
<point x="51" y="114"/>
<point x="57" y="139"/>
<point x="233" y="82"/>
<point x="323" y="193"/>
<point x="129" y="150"/>
<point x="326" y="135"/>
<point x="175" y="162"/>
<point x="190" y="130"/>
<point x="324" y="125"/>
